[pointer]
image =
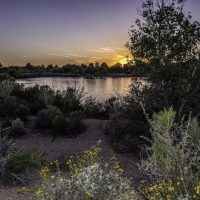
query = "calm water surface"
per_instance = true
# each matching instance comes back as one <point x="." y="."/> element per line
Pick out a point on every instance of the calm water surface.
<point x="99" y="88"/>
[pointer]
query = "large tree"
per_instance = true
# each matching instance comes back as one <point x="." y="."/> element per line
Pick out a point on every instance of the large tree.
<point x="164" y="34"/>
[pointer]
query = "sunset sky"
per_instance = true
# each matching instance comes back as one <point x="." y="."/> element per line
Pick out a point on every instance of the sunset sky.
<point x="68" y="31"/>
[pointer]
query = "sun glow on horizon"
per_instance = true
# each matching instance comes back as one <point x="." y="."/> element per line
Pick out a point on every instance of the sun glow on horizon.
<point x="123" y="61"/>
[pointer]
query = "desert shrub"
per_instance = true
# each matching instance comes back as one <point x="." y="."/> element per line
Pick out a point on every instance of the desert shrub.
<point x="29" y="94"/>
<point x="5" y="76"/>
<point x="8" y="106"/>
<point x="46" y="95"/>
<point x="72" y="98"/>
<point x="127" y="124"/>
<point x="60" y="125"/>
<point x="6" y="144"/>
<point x="86" y="179"/>
<point x="125" y="136"/>
<point x="75" y="122"/>
<point x="22" y="112"/>
<point x="26" y="158"/>
<point x="6" y="88"/>
<point x="93" y="108"/>
<point x="53" y="119"/>
<point x="46" y="117"/>
<point x="172" y="166"/>
<point x="36" y="106"/>
<point x="7" y="149"/>
<point x="17" y="128"/>
<point x="12" y="162"/>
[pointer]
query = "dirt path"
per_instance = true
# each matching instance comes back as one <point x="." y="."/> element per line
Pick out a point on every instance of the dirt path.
<point x="62" y="148"/>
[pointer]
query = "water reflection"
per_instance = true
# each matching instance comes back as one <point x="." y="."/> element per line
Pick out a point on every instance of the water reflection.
<point x="99" y="88"/>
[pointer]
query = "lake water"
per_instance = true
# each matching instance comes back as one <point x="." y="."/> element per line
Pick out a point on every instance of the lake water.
<point x="98" y="88"/>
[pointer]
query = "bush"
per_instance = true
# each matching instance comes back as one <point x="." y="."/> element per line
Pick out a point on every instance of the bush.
<point x="173" y="159"/>
<point x="22" y="112"/>
<point x="36" y="106"/>
<point x="5" y="76"/>
<point x="17" y="128"/>
<point x="6" y="88"/>
<point x="75" y="122"/>
<point x="8" y="106"/>
<point x="88" y="178"/>
<point x="6" y="144"/>
<point x="52" y="118"/>
<point x="46" y="117"/>
<point x="7" y="148"/>
<point x="72" y="99"/>
<point x="92" y="107"/>
<point x="60" y="125"/>
<point x="26" y="158"/>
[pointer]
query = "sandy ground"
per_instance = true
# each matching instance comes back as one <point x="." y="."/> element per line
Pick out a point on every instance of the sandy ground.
<point x="62" y="148"/>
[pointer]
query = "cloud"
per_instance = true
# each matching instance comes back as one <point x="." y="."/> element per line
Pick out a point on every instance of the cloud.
<point x="97" y="51"/>
<point x="95" y="57"/>
<point x="59" y="55"/>
<point x="102" y="50"/>
<point x="107" y="49"/>
<point x="75" y="55"/>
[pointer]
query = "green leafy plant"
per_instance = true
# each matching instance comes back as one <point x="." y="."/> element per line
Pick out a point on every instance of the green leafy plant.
<point x="22" y="112"/>
<point x="17" y="127"/>
<point x="46" y="116"/>
<point x="75" y="122"/>
<point x="60" y="125"/>
<point x="26" y="158"/>
<point x="174" y="156"/>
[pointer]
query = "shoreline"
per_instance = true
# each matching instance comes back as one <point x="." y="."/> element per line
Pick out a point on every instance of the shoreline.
<point x="38" y="75"/>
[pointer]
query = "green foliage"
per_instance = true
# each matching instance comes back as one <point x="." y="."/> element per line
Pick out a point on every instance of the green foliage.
<point x="164" y="34"/>
<point x="165" y="42"/>
<point x="174" y="155"/>
<point x="5" y="76"/>
<point x="53" y="119"/>
<point x="60" y="125"/>
<point x="17" y="128"/>
<point x="6" y="150"/>
<point x="6" y="88"/>
<point x="72" y="98"/>
<point x="75" y="122"/>
<point x="26" y="158"/>
<point x="93" y="108"/>
<point x="46" y="116"/>
<point x="6" y="144"/>
<point x="11" y="161"/>
<point x="22" y="112"/>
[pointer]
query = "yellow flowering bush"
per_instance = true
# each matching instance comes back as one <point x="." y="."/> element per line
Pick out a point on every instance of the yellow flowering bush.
<point x="88" y="178"/>
<point x="197" y="192"/>
<point x="163" y="190"/>
<point x="87" y="158"/>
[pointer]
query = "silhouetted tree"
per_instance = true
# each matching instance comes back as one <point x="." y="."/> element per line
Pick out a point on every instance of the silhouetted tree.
<point x="104" y="65"/>
<point x="164" y="34"/>
<point x="28" y="65"/>
<point x="165" y="44"/>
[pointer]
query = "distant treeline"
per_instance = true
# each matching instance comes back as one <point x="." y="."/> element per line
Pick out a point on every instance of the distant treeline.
<point x="91" y="70"/>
